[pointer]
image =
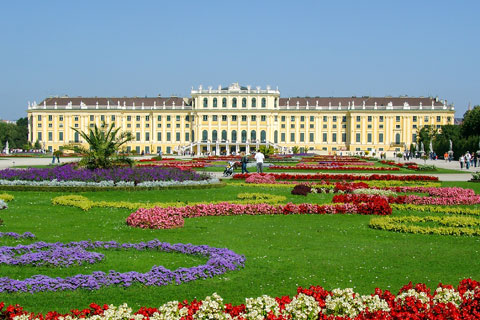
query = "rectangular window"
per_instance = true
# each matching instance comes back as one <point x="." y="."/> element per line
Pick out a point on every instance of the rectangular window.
<point x="292" y="137"/>
<point x="92" y="118"/>
<point x="137" y="136"/>
<point x="414" y="137"/>
<point x="369" y="137"/>
<point x="344" y="137"/>
<point x="60" y="136"/>
<point x="397" y="126"/>
<point x="169" y="125"/>
<point x="169" y="118"/>
<point x="244" y="118"/>
<point x="369" y="119"/>
<point x="147" y="136"/>
<point x="39" y="118"/>
<point x="177" y="118"/>
<point x="75" y="118"/>
<point x="439" y="118"/>
<point x="324" y="118"/>
<point x="312" y="126"/>
<point x="344" y="118"/>
<point x="380" y="126"/>
<point x="397" y="118"/>
<point x="369" y="126"/>
<point x="205" y="118"/>
<point x="50" y="136"/>
<point x="334" y="126"/>
<point x="426" y="118"/>
<point x="137" y="125"/>
<point x="177" y="125"/>
<point x="312" y="118"/>
<point x="302" y="137"/>
<point x="187" y="118"/>
<point x="159" y="118"/>
<point x="324" y="137"/>
<point x="234" y="118"/>
<point x="39" y="136"/>
<point x="414" y="119"/>
<point x="282" y="136"/>
<point x="224" y="118"/>
<point x="129" y="118"/>
<point x="283" y="118"/>
<point x="380" y="137"/>
<point x="61" y="118"/>
<point x="357" y="137"/>
<point x="302" y="118"/>
<point x="137" y="118"/>
<point x="283" y="126"/>
<point x="334" y="118"/>
<point x="334" y="137"/>
<point x="177" y="136"/>
<point x="128" y="125"/>
<point x="292" y="126"/>
<point x="381" y="118"/>
<point x="147" y="125"/>
<point x="159" y="136"/>
<point x="414" y="126"/>
<point x="112" y="117"/>
<point x="169" y="136"/>
<point x="302" y="126"/>
<point x="311" y="137"/>
<point x="147" y="118"/>
<point x="50" y="117"/>
<point x="187" y="136"/>
<point x="254" y="118"/>
<point x="358" y="126"/>
<point x="264" y="118"/>
<point x="102" y="117"/>
<point x="159" y="125"/>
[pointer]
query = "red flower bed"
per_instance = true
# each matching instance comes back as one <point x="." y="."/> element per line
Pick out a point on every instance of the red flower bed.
<point x="327" y="176"/>
<point x="412" y="302"/>
<point x="359" y="198"/>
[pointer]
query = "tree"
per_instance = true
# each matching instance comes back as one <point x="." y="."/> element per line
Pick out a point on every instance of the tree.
<point x="267" y="150"/>
<point x="471" y="122"/>
<point x="104" y="144"/>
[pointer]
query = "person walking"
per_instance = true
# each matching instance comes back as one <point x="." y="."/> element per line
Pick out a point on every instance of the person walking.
<point x="467" y="160"/>
<point x="244" y="162"/>
<point x="445" y="156"/>
<point x="462" y="161"/>
<point x="259" y="157"/>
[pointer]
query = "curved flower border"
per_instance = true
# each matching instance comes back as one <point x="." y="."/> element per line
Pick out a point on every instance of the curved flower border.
<point x="220" y="260"/>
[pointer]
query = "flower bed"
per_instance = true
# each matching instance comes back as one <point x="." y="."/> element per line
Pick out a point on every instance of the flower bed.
<point x="449" y="225"/>
<point x="326" y="176"/>
<point x="326" y="168"/>
<point x="117" y="175"/>
<point x="60" y="254"/>
<point x="172" y="217"/>
<point x="411" y="302"/>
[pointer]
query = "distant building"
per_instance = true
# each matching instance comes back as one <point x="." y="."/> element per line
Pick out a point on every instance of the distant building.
<point x="8" y="121"/>
<point x="236" y="118"/>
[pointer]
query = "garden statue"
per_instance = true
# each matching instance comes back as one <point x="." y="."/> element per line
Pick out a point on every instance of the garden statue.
<point x="7" y="149"/>
<point x="451" y="145"/>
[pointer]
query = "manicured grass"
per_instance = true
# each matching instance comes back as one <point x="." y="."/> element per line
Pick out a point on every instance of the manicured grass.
<point x="282" y="252"/>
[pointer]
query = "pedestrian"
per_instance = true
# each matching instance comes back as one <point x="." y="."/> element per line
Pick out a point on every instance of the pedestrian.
<point x="53" y="156"/>
<point x="244" y="162"/>
<point x="445" y="156"/>
<point x="475" y="159"/>
<point x="467" y="160"/>
<point x="57" y="155"/>
<point x="259" y="157"/>
<point x="462" y="161"/>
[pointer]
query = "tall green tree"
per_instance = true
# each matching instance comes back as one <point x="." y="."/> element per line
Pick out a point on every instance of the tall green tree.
<point x="104" y="145"/>
<point x="471" y="122"/>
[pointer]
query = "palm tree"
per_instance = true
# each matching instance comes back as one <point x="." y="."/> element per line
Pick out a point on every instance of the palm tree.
<point x="104" y="145"/>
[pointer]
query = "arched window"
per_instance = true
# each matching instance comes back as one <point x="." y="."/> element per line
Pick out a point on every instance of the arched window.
<point x="244" y="135"/>
<point x="276" y="102"/>
<point x="205" y="102"/>
<point x="224" y="134"/>
<point x="214" y="135"/>
<point x="204" y="135"/>
<point x="254" y="103"/>
<point x="275" y="136"/>
<point x="253" y="135"/>
<point x="214" y="102"/>
<point x="244" y="102"/>
<point x="397" y="138"/>
<point x="264" y="103"/>
<point x="234" y="103"/>
<point x="263" y="136"/>
<point x="224" y="102"/>
<point x="234" y="136"/>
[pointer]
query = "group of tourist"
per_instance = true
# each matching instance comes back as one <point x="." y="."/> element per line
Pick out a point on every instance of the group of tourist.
<point x="259" y="158"/>
<point x="469" y="160"/>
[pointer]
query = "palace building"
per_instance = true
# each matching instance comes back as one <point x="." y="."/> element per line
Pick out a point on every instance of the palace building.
<point x="236" y="118"/>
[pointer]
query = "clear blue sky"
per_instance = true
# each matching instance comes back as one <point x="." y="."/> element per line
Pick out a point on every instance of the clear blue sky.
<point x="324" y="48"/>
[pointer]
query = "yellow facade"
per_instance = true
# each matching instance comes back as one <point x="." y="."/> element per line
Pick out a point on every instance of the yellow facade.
<point x="235" y="118"/>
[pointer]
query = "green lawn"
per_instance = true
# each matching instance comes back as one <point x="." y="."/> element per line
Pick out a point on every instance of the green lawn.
<point x="282" y="252"/>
